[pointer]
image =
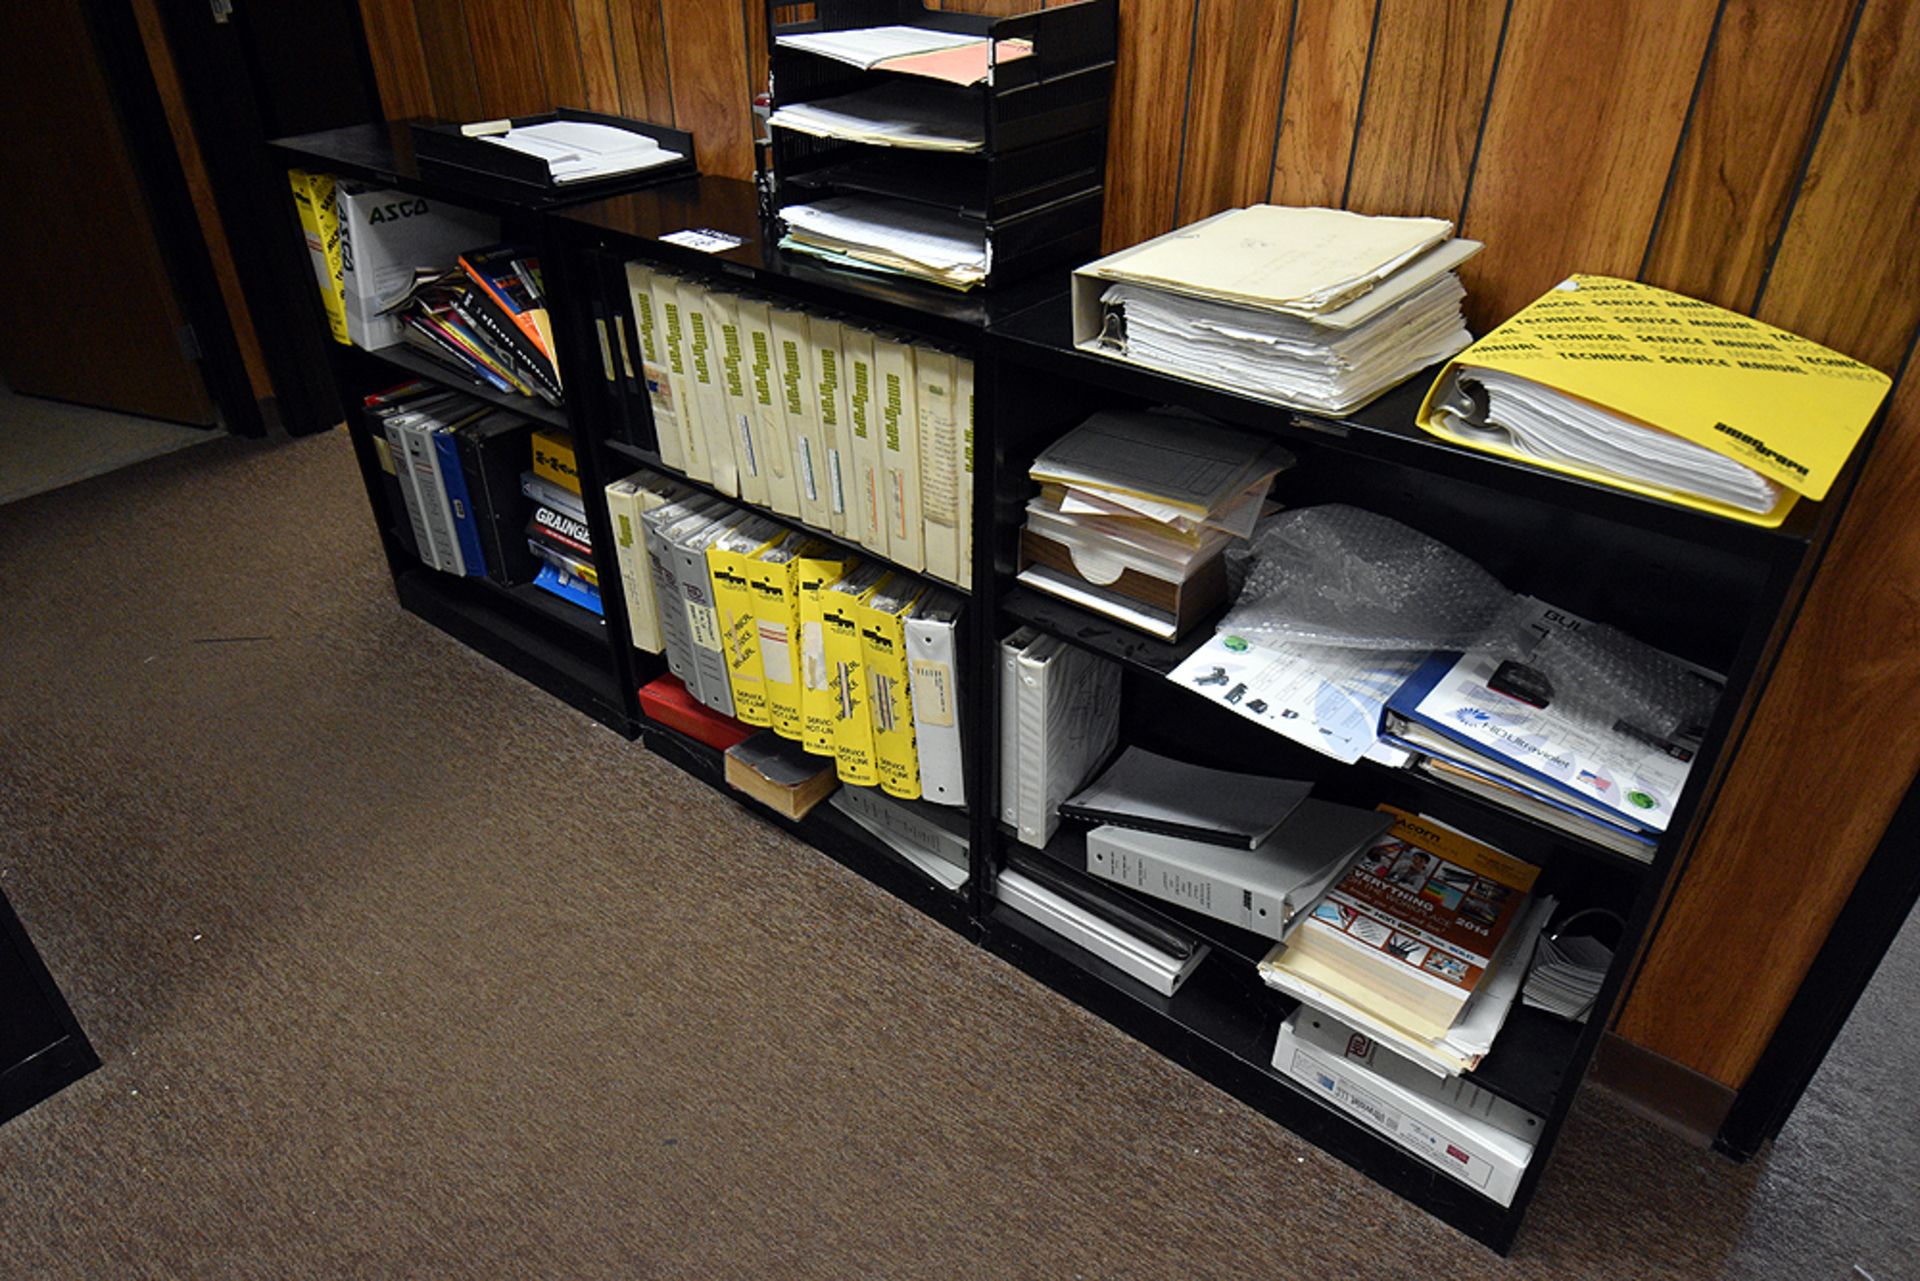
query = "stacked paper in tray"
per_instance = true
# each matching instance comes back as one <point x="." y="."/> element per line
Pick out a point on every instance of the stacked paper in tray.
<point x="1422" y="946"/>
<point x="1645" y="390"/>
<point x="917" y="117"/>
<point x="896" y="236"/>
<point x="1136" y="511"/>
<point x="952" y="56"/>
<point x="1318" y="309"/>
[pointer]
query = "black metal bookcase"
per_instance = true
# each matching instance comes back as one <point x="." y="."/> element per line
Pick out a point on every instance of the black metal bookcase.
<point x="1718" y="592"/>
<point x="556" y="645"/>
<point x="1715" y="591"/>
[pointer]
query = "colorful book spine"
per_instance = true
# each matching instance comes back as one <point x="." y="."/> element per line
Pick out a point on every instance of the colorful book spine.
<point x="846" y="666"/>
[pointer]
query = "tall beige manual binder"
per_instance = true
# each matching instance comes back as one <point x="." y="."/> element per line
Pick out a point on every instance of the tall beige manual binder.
<point x="963" y="406"/>
<point x="771" y="438"/>
<point x="653" y="367"/>
<point x="863" y="415"/>
<point x="703" y="365"/>
<point x="672" y="331"/>
<point x="793" y="367"/>
<point x="900" y="452"/>
<point x="935" y="395"/>
<point x="830" y="404"/>
<point x="735" y="385"/>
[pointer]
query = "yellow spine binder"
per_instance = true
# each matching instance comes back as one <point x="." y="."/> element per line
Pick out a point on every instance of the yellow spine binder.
<point x="320" y="223"/>
<point x="846" y="674"/>
<point x="773" y="577"/>
<point x="819" y="702"/>
<point x="883" y="650"/>
<point x="728" y="560"/>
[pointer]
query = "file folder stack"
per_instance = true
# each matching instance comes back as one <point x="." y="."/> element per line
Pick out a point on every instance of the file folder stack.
<point x="1318" y="309"/>
<point x="893" y="236"/>
<point x="1423" y="945"/>
<point x="1136" y="512"/>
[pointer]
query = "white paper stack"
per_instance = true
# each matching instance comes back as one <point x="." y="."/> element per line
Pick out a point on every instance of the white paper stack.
<point x="898" y="114"/>
<point x="896" y="236"/>
<point x="868" y="47"/>
<point x="1471" y="1037"/>
<point x="1319" y="309"/>
<point x="579" y="150"/>
<point x="1566" y="975"/>
<point x="1542" y="422"/>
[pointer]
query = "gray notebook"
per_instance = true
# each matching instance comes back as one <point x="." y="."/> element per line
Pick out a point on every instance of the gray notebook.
<point x="1155" y="794"/>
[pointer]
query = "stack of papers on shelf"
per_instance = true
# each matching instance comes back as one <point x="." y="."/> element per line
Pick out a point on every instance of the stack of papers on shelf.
<point x="1136" y="512"/>
<point x="1645" y="390"/>
<point x="909" y="831"/>
<point x="892" y="115"/>
<point x="952" y="56"/>
<point x="1319" y="309"/>
<point x="1485" y="722"/>
<point x="1423" y="945"/>
<point x="1566" y="975"/>
<point x="894" y="236"/>
<point x="578" y="150"/>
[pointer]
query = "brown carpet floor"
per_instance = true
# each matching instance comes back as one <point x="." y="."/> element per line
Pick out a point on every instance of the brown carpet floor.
<point x="400" y="968"/>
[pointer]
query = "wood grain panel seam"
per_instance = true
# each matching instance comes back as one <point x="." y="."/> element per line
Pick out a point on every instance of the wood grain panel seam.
<point x="1486" y="112"/>
<point x="1360" y="107"/>
<point x="1680" y="143"/>
<point x="746" y="49"/>
<point x="1186" y="106"/>
<point x="1806" y="163"/>
<point x="1286" y="76"/>
<point x="666" y="61"/>
<point x="580" y="57"/>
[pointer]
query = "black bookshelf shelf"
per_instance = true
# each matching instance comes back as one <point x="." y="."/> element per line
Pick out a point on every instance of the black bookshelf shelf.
<point x="824" y="828"/>
<point x="410" y="362"/>
<point x="1528" y="1062"/>
<point x="1154" y="658"/>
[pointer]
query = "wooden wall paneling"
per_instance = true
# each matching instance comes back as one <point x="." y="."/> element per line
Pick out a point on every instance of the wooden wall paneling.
<point x="1427" y="87"/>
<point x="1805" y="802"/>
<point x="754" y="13"/>
<point x="704" y="42"/>
<point x="448" y="53"/>
<point x="1326" y="75"/>
<point x="593" y="28"/>
<point x="1811" y="791"/>
<point x="399" y="59"/>
<point x="1233" y="106"/>
<point x="1765" y="81"/>
<point x="556" y="40"/>
<point x="1147" y="119"/>
<point x="1586" y="111"/>
<point x="506" y="61"/>
<point x="1847" y="273"/>
<point x="640" y="57"/>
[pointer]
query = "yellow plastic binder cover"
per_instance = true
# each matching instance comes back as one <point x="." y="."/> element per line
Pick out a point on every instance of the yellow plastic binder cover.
<point x="1781" y="405"/>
